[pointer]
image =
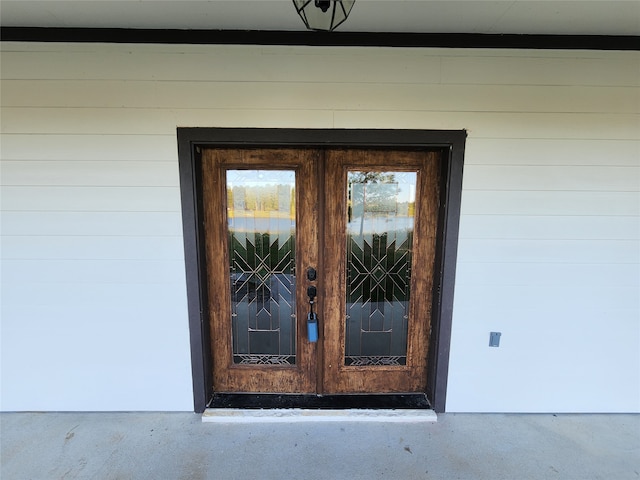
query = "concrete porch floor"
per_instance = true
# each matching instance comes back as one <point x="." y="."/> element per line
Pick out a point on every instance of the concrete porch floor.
<point x="179" y="446"/>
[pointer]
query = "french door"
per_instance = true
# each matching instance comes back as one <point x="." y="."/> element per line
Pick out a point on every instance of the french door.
<point x="335" y="241"/>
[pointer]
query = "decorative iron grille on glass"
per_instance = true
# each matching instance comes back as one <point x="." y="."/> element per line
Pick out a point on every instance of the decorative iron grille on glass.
<point x="261" y="231"/>
<point x="380" y="221"/>
<point x="324" y="15"/>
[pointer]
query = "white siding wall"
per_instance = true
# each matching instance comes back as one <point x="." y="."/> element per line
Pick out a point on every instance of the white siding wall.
<point x="93" y="297"/>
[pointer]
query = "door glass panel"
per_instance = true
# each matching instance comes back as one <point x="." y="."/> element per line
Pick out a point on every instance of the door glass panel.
<point x="261" y="231"/>
<point x="380" y="218"/>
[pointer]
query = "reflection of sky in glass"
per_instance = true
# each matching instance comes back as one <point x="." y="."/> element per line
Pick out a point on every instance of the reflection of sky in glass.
<point x="251" y="178"/>
<point x="407" y="187"/>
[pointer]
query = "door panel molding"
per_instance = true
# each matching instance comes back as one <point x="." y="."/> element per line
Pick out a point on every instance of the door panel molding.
<point x="190" y="143"/>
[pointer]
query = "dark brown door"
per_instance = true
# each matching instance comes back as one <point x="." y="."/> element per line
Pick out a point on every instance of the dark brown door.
<point x="365" y="220"/>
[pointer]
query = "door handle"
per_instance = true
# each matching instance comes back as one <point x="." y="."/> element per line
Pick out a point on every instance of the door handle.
<point x="312" y="291"/>
<point x="312" y="317"/>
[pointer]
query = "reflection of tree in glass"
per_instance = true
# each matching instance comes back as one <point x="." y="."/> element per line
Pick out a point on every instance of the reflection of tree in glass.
<point x="262" y="198"/>
<point x="380" y="199"/>
<point x="371" y="177"/>
<point x="388" y="192"/>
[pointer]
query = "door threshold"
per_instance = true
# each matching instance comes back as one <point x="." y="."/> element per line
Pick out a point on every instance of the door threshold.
<point x="290" y="408"/>
<point x="415" y="401"/>
<point x="299" y="415"/>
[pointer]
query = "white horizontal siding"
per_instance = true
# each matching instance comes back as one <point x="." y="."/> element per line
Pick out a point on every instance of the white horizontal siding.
<point x="552" y="275"/>
<point x="148" y="121"/>
<point x="92" y="260"/>
<point x="564" y="354"/>
<point x="502" y="125"/>
<point x="289" y="95"/>
<point x="607" y="178"/>
<point x="124" y="297"/>
<point x="94" y="174"/>
<point x="22" y="247"/>
<point x="549" y="227"/>
<point x="204" y="63"/>
<point x="567" y="68"/>
<point x="93" y="271"/>
<point x="122" y="121"/>
<point x="596" y="300"/>
<point x="221" y="64"/>
<point x="553" y="250"/>
<point x="550" y="203"/>
<point x="91" y="223"/>
<point x="88" y="148"/>
<point x="557" y="152"/>
<point x="64" y="198"/>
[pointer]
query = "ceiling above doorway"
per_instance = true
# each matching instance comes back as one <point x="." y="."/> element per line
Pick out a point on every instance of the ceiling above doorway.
<point x="555" y="17"/>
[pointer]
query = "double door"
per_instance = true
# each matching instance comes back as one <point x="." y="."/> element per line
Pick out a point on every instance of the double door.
<point x="357" y="228"/>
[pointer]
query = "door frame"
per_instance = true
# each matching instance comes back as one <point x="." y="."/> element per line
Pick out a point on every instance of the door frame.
<point x="190" y="143"/>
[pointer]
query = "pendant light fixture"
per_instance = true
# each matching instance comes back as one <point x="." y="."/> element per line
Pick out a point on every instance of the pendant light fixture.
<point x="324" y="15"/>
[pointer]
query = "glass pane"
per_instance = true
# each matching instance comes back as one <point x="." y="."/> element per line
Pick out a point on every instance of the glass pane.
<point x="261" y="215"/>
<point x="380" y="212"/>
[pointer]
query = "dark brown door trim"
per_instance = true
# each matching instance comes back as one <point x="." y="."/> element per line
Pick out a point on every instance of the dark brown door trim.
<point x="450" y="142"/>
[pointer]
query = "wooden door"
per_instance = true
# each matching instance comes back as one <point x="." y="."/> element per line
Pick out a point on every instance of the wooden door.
<point x="379" y="239"/>
<point x="261" y="230"/>
<point x="366" y="221"/>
